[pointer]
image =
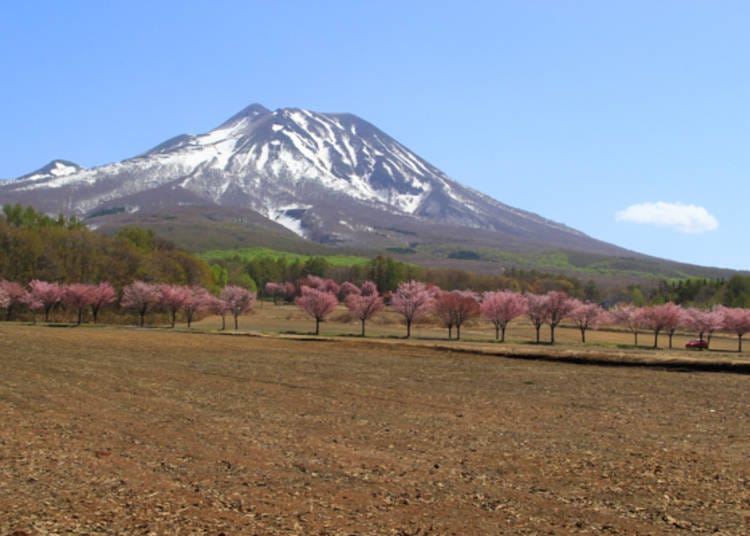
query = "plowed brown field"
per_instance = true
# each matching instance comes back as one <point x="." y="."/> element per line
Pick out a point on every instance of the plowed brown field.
<point x="128" y="431"/>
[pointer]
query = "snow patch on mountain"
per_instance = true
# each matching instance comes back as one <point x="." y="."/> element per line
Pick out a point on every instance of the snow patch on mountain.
<point x="61" y="169"/>
<point x="55" y="169"/>
<point x="290" y="217"/>
<point x="36" y="181"/>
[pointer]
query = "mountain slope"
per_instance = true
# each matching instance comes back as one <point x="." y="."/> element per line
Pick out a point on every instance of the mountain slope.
<point x="331" y="178"/>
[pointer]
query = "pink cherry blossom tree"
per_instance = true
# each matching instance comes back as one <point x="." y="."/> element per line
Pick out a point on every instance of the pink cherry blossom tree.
<point x="330" y="286"/>
<point x="319" y="283"/>
<point x="674" y="318"/>
<point x="369" y="288"/>
<point x="33" y="303"/>
<point x="275" y="290"/>
<point x="317" y="303"/>
<point x="44" y="293"/>
<point x="500" y="308"/>
<point x="629" y="316"/>
<point x="4" y="298"/>
<point x="704" y="322"/>
<point x="737" y="321"/>
<point x="140" y="297"/>
<point x="78" y="296"/>
<point x="16" y="297"/>
<point x="172" y="298"/>
<point x="239" y="300"/>
<point x="311" y="281"/>
<point x="558" y="307"/>
<point x="219" y="307"/>
<point x="466" y="308"/>
<point x="198" y="299"/>
<point x="453" y="308"/>
<point x="412" y="300"/>
<point x="537" y="309"/>
<point x="363" y="307"/>
<point x="103" y="295"/>
<point x="346" y="289"/>
<point x="587" y="316"/>
<point x="667" y="317"/>
<point x="290" y="292"/>
<point x="442" y="308"/>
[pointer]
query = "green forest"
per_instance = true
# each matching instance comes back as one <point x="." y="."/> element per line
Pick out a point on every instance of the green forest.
<point x="63" y="250"/>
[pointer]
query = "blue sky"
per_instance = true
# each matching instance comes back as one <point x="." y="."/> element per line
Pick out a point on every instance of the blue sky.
<point x="627" y="120"/>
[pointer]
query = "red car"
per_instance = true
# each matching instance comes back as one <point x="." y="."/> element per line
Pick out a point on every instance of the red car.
<point x="697" y="343"/>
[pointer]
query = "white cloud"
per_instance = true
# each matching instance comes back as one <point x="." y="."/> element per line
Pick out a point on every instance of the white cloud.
<point x="684" y="218"/>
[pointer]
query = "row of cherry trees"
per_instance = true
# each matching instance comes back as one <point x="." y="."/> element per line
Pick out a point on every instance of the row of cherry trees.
<point x="41" y="297"/>
<point x="143" y="297"/>
<point x="413" y="300"/>
<point x="668" y="318"/>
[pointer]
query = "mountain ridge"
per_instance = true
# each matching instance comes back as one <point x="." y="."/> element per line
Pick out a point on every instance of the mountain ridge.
<point x="333" y="178"/>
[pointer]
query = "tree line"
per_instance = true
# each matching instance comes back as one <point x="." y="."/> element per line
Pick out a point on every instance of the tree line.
<point x="35" y="246"/>
<point x="84" y="301"/>
<point x="50" y="263"/>
<point x="702" y="292"/>
<point x="412" y="300"/>
<point x="387" y="273"/>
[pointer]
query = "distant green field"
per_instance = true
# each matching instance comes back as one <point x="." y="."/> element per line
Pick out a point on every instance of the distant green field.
<point x="554" y="261"/>
<point x="254" y="252"/>
<point x="574" y="263"/>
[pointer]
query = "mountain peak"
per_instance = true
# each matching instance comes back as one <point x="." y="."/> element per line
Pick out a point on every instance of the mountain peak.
<point x="249" y="112"/>
<point x="56" y="168"/>
<point x="333" y="178"/>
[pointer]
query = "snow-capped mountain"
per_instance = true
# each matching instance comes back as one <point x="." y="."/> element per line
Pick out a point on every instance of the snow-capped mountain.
<point x="332" y="178"/>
